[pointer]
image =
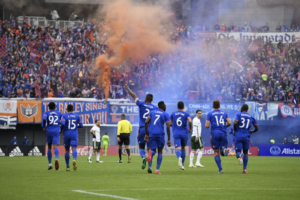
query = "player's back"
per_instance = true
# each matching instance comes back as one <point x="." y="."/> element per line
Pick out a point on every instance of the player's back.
<point x="244" y="124"/>
<point x="105" y="138"/>
<point x="70" y="122"/>
<point x="158" y="119"/>
<point x="53" y="120"/>
<point x="218" y="122"/>
<point x="144" y="110"/>
<point x="179" y="122"/>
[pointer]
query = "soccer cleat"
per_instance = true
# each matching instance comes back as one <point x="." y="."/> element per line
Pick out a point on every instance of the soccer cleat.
<point x="232" y="153"/>
<point x="180" y="163"/>
<point x="241" y="159"/>
<point x="129" y="160"/>
<point x="149" y="157"/>
<point x="182" y="168"/>
<point x="149" y="170"/>
<point x="50" y="167"/>
<point x="68" y="169"/>
<point x="157" y="172"/>
<point x="192" y="166"/>
<point x="56" y="165"/>
<point x="99" y="161"/>
<point x="225" y="152"/>
<point x="199" y="165"/>
<point x="89" y="160"/>
<point x="120" y="161"/>
<point x="245" y="172"/>
<point x="144" y="163"/>
<point x="74" y="165"/>
<point x="221" y="172"/>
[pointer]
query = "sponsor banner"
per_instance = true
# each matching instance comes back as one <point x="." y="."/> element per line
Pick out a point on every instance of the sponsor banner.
<point x="208" y="151"/>
<point x="8" y="114"/>
<point x="279" y="150"/>
<point x="20" y="150"/>
<point x="29" y="111"/>
<point x="289" y="109"/>
<point x="274" y="37"/>
<point x="131" y="110"/>
<point x="3" y="151"/>
<point x="88" y="111"/>
<point x="84" y="150"/>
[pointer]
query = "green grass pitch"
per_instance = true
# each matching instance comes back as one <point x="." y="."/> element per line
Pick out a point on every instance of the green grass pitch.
<point x="268" y="178"/>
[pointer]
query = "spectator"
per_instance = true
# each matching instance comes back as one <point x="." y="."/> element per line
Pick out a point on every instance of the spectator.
<point x="72" y="17"/>
<point x="217" y="27"/>
<point x="286" y="28"/>
<point x="54" y="15"/>
<point x="14" y="141"/>
<point x="278" y="28"/>
<point x="293" y="28"/>
<point x="284" y="141"/>
<point x="272" y="141"/>
<point x="25" y="141"/>
<point x="295" y="140"/>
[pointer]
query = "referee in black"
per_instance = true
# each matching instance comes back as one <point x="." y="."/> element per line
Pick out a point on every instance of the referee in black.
<point x="124" y="130"/>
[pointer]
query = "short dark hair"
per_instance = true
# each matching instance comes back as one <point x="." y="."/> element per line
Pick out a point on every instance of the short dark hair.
<point x="149" y="98"/>
<point x="180" y="105"/>
<point x="70" y="108"/>
<point x="96" y="120"/>
<point x="198" y="111"/>
<point x="51" y="106"/>
<point x="244" y="108"/>
<point x="106" y="133"/>
<point x="123" y="115"/>
<point x="161" y="105"/>
<point x="216" y="104"/>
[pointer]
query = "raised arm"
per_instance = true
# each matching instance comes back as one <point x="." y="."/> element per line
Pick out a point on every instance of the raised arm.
<point x="130" y="92"/>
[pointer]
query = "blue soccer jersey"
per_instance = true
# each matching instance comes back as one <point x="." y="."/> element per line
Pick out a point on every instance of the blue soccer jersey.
<point x="245" y="121"/>
<point x="156" y="124"/>
<point x="179" y="123"/>
<point x="218" y="121"/>
<point x="52" y="120"/>
<point x="70" y="123"/>
<point x="145" y="109"/>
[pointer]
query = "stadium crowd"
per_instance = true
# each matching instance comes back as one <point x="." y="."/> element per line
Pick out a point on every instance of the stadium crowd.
<point x="58" y="62"/>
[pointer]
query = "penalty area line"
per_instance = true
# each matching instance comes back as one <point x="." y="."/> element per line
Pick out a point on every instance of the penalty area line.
<point x="103" y="195"/>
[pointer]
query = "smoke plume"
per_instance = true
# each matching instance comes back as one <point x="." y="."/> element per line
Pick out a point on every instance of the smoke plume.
<point x="134" y="33"/>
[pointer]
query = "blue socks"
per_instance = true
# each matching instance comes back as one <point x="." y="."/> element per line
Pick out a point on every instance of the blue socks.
<point x="178" y="153"/>
<point x="245" y="161"/>
<point x="159" y="160"/>
<point x="218" y="161"/>
<point x="183" y="156"/>
<point x="238" y="154"/>
<point x="150" y="164"/>
<point x="49" y="154"/>
<point x="74" y="155"/>
<point x="67" y="158"/>
<point x="56" y="151"/>
<point x="142" y="153"/>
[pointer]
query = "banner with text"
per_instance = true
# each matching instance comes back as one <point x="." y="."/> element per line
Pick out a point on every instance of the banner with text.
<point x="29" y="112"/>
<point x="274" y="37"/>
<point x="279" y="150"/>
<point x="88" y="111"/>
<point x="208" y="151"/>
<point x="131" y="110"/>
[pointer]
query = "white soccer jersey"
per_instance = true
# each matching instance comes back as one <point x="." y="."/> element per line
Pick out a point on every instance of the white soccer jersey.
<point x="96" y="130"/>
<point x="196" y="127"/>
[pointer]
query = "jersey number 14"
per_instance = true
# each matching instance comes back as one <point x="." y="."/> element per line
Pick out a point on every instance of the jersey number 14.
<point x="220" y="121"/>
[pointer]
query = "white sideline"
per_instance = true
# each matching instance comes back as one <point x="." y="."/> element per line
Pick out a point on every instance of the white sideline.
<point x="104" y="195"/>
<point x="146" y="189"/>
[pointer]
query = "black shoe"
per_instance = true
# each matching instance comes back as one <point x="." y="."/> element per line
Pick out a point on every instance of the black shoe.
<point x="149" y="170"/>
<point x="50" y="167"/>
<point x="120" y="161"/>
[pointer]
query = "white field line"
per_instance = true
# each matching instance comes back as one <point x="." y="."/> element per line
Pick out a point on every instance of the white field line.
<point x="104" y="195"/>
<point x="153" y="189"/>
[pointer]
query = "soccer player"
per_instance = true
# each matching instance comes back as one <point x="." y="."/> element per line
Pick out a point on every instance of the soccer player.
<point x="196" y="140"/>
<point x="156" y="134"/>
<point x="145" y="108"/>
<point x="219" y="121"/>
<point x="180" y="132"/>
<point x="233" y="141"/>
<point x="242" y="125"/>
<point x="95" y="131"/>
<point x="70" y="123"/>
<point x="105" y="143"/>
<point x="51" y="123"/>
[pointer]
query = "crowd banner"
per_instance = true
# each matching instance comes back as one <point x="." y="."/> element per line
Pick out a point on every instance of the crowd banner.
<point x="289" y="109"/>
<point x="29" y="111"/>
<point x="8" y="114"/>
<point x="279" y="150"/>
<point x="88" y="111"/>
<point x="273" y="37"/>
<point x="131" y="110"/>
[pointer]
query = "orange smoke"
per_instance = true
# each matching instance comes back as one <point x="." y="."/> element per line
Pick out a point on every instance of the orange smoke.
<point x="135" y="32"/>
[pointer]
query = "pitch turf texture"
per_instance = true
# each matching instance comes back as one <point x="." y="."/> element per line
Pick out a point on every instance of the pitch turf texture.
<point x="268" y="178"/>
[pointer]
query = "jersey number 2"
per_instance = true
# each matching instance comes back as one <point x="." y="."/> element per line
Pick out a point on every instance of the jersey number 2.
<point x="146" y="113"/>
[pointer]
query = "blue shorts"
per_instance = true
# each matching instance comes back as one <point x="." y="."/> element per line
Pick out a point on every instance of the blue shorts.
<point x="180" y="140"/>
<point x="70" y="141"/>
<point x="157" y="142"/>
<point x="53" y="139"/>
<point x="242" y="143"/>
<point x="218" y="141"/>
<point x="141" y="136"/>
